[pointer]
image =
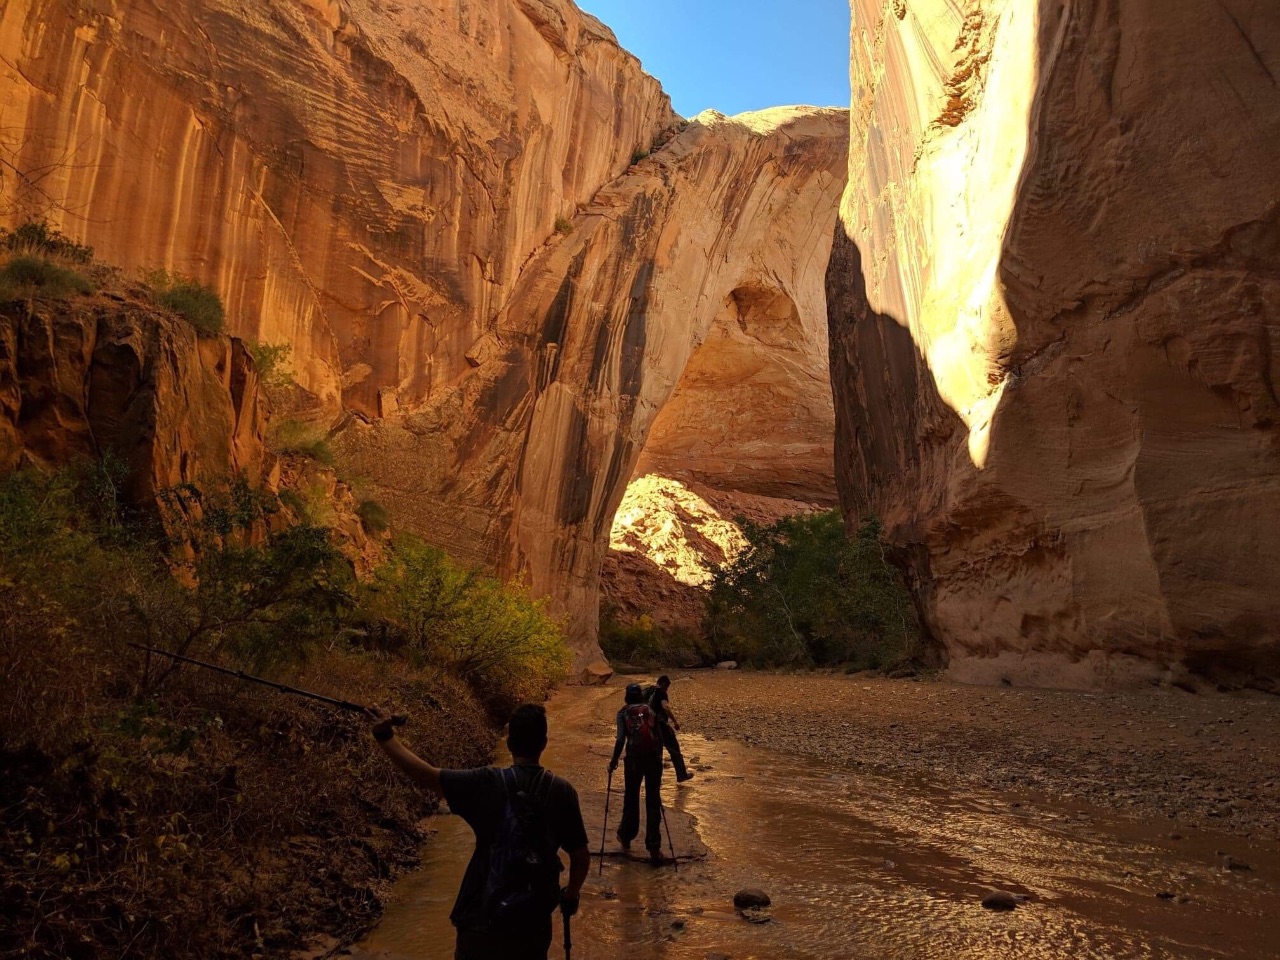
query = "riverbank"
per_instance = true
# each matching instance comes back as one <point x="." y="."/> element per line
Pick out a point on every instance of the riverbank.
<point x="1202" y="761"/>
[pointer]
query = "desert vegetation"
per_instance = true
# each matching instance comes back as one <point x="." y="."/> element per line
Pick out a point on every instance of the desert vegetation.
<point x="801" y="594"/>
<point x="225" y="819"/>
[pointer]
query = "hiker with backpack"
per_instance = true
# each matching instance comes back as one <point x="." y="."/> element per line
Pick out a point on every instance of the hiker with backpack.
<point x="668" y="724"/>
<point x="637" y="732"/>
<point x="522" y="815"/>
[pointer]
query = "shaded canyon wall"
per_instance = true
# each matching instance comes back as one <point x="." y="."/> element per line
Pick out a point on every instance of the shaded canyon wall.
<point x="1055" y="323"/>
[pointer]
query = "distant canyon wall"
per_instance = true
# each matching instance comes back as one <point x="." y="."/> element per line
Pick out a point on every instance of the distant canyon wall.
<point x="448" y="213"/>
<point x="1055" y="319"/>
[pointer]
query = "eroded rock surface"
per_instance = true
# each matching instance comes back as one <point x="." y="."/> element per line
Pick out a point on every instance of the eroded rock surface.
<point x="1054" y="299"/>
<point x="108" y="375"/>
<point x="443" y="210"/>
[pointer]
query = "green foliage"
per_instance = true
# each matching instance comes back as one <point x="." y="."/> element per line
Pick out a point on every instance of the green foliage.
<point x="642" y="643"/>
<point x="564" y="226"/>
<point x="271" y="361"/>
<point x="638" y="156"/>
<point x="36" y="237"/>
<point x="803" y="593"/>
<point x="375" y="517"/>
<point x="195" y="302"/>
<point x="31" y="275"/>
<point x="304" y="439"/>
<point x="495" y="636"/>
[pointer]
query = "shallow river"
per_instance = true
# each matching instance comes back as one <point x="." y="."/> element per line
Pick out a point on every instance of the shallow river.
<point x="862" y="866"/>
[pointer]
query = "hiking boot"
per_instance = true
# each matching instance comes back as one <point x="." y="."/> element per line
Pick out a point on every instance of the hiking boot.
<point x="656" y="859"/>
<point x="625" y="844"/>
<point x="686" y="778"/>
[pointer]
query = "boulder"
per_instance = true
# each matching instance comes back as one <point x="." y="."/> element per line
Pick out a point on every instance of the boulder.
<point x="749" y="898"/>
<point x="727" y="665"/>
<point x="595" y="674"/>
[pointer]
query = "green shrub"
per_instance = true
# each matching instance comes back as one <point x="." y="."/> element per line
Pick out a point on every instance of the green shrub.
<point x="30" y="275"/>
<point x="638" y="156"/>
<point x="803" y="593"/>
<point x="36" y="237"/>
<point x="375" y="517"/>
<point x="271" y="361"/>
<point x="642" y="643"/>
<point x="495" y="636"/>
<point x="195" y="302"/>
<point x="304" y="439"/>
<point x="564" y="226"/>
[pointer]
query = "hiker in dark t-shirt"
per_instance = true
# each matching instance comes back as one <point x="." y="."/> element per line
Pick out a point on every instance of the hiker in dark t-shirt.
<point x="481" y="798"/>
<point x="641" y="767"/>
<point x="668" y="724"/>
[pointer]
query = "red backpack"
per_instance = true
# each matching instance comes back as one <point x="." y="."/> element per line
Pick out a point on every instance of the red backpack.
<point x="642" y="731"/>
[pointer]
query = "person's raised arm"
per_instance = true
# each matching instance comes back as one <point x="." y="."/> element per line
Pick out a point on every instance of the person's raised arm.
<point x="412" y="765"/>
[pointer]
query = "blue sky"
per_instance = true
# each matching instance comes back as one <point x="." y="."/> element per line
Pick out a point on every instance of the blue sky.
<point x="737" y="55"/>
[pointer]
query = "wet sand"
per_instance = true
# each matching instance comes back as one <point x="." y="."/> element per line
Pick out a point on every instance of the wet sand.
<point x="1208" y="761"/>
<point x="867" y="859"/>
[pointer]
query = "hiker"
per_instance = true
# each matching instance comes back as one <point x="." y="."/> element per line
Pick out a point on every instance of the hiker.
<point x="668" y="723"/>
<point x="638" y="733"/>
<point x="522" y="816"/>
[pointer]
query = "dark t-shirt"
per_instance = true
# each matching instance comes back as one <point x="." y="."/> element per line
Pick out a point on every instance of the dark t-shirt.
<point x="658" y="704"/>
<point x="479" y="797"/>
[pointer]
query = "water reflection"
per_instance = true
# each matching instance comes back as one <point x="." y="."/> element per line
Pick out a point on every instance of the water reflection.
<point x="861" y="866"/>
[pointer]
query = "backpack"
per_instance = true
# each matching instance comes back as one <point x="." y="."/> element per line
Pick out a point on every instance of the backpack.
<point x="523" y="883"/>
<point x="642" y="730"/>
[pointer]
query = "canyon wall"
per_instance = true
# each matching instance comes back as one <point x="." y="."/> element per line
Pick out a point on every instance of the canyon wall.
<point x="530" y="456"/>
<point x="114" y="375"/>
<point x="448" y="213"/>
<point x="1055" y="318"/>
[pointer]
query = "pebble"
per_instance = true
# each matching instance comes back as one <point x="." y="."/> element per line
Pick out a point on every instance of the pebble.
<point x="999" y="900"/>
<point x="751" y="898"/>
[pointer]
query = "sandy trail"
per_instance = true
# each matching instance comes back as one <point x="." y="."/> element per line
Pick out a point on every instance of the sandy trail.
<point x="866" y="859"/>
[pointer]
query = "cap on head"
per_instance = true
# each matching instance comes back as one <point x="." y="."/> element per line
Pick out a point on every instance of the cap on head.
<point x="635" y="693"/>
<point x="527" y="731"/>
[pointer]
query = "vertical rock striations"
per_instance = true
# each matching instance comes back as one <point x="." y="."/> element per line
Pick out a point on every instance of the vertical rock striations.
<point x="528" y="459"/>
<point x="111" y="375"/>
<point x="1054" y="303"/>
<point x="443" y="210"/>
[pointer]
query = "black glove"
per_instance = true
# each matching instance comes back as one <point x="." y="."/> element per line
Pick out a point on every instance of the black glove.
<point x="568" y="904"/>
<point x="613" y="765"/>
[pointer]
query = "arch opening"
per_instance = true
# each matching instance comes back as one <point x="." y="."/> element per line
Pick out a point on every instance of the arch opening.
<point x="747" y="432"/>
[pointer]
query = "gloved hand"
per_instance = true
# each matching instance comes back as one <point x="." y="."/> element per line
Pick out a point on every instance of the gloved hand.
<point x="613" y="765"/>
<point x="568" y="903"/>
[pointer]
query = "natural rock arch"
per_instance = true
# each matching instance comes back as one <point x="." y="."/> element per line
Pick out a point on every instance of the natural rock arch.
<point x="752" y="410"/>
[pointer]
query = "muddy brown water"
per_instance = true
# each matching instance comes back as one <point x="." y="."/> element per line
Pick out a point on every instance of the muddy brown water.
<point x="864" y="866"/>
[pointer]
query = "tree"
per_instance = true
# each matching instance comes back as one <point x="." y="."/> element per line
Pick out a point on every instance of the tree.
<point x="804" y="593"/>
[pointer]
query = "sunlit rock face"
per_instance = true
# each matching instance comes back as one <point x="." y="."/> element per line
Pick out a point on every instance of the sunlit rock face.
<point x="529" y="457"/>
<point x="438" y="207"/>
<point x="360" y="180"/>
<point x="668" y="537"/>
<point x="1054" y="299"/>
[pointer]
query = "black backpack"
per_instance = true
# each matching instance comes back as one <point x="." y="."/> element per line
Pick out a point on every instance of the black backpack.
<point x="523" y="884"/>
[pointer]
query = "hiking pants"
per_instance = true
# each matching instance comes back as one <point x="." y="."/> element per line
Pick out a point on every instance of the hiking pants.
<point x="646" y="770"/>
<point x="483" y="945"/>
<point x="673" y="748"/>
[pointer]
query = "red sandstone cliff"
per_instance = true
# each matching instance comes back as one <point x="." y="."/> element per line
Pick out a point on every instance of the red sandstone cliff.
<point x="438" y="208"/>
<point x="1054" y="297"/>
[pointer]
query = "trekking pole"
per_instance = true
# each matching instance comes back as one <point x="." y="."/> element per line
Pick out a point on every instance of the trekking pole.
<point x="568" y="939"/>
<point x="396" y="721"/>
<point x="674" y="861"/>
<point x="604" y="830"/>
